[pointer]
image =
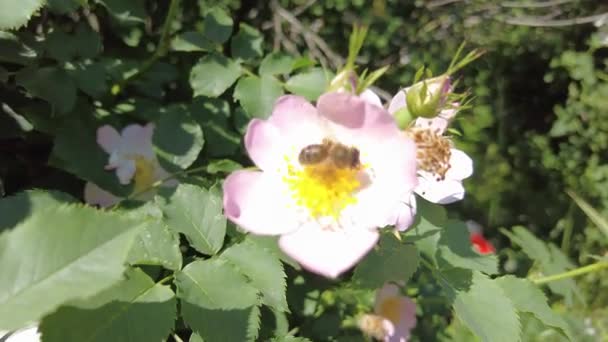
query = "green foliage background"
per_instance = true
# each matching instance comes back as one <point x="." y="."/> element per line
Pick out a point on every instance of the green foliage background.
<point x="538" y="126"/>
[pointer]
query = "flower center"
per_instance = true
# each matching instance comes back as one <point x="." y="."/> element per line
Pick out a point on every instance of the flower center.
<point x="144" y="173"/>
<point x="390" y="309"/>
<point x="433" y="151"/>
<point x="325" y="190"/>
<point x="373" y="325"/>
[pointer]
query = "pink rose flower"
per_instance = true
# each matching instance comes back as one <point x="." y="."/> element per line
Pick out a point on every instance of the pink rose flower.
<point x="394" y="316"/>
<point x="327" y="216"/>
<point x="132" y="158"/>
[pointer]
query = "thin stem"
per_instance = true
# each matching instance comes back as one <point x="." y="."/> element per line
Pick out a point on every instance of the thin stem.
<point x="165" y="279"/>
<point x="159" y="183"/>
<point x="573" y="273"/>
<point x="161" y="49"/>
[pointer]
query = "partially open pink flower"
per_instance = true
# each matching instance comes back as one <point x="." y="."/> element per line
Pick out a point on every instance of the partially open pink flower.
<point x="132" y="158"/>
<point x="394" y="316"/>
<point x="327" y="215"/>
<point x="441" y="167"/>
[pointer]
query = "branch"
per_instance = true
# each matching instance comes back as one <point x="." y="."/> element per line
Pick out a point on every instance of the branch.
<point x="538" y="22"/>
<point x="161" y="49"/>
<point x="533" y="4"/>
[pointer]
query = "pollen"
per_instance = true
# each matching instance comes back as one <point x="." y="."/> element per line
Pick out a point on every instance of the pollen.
<point x="144" y="174"/>
<point x="433" y="151"/>
<point x="323" y="190"/>
<point x="373" y="326"/>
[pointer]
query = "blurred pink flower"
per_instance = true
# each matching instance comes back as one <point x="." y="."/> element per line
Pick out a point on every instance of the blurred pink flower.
<point x="394" y="316"/>
<point x="327" y="217"/>
<point x="479" y="242"/>
<point x="132" y="158"/>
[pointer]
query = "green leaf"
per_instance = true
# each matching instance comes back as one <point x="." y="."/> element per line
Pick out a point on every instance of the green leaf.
<point x="191" y="41"/>
<point x="390" y="261"/>
<point x="195" y="338"/>
<point x="550" y="259"/>
<point x="236" y="323"/>
<point x="136" y="309"/>
<point x="51" y="84"/>
<point x="127" y="12"/>
<point x="84" y="43"/>
<point x="455" y="250"/>
<point x="222" y="166"/>
<point x="89" y="77"/>
<point x="482" y="305"/>
<point x="64" y="6"/>
<point x="213" y="115"/>
<point x="56" y="254"/>
<point x="217" y="25"/>
<point x="155" y="244"/>
<point x="270" y="243"/>
<point x="264" y="270"/>
<point x="16" y="13"/>
<point x="213" y="74"/>
<point x="276" y="63"/>
<point x="247" y="43"/>
<point x="430" y="220"/>
<point x="16" y="207"/>
<point x="215" y="284"/>
<point x="258" y="95"/>
<point x="528" y="298"/>
<point x="310" y="84"/>
<point x="197" y="213"/>
<point x="15" y="50"/>
<point x="177" y="139"/>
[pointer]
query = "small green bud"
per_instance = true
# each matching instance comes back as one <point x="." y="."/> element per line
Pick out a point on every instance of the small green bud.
<point x="403" y="117"/>
<point x="425" y="98"/>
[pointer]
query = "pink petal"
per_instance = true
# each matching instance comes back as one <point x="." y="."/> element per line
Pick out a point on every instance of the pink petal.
<point x="461" y="165"/>
<point x="137" y="139"/>
<point x="393" y="164"/>
<point x="108" y="138"/>
<point x="297" y="121"/>
<point x="125" y="171"/>
<point x="253" y="201"/>
<point x="326" y="252"/>
<point x="398" y="101"/>
<point x="387" y="291"/>
<point x="97" y="196"/>
<point x="441" y="192"/>
<point x="355" y="119"/>
<point x="371" y="97"/>
<point x="404" y="213"/>
<point x="407" y="322"/>
<point x="264" y="144"/>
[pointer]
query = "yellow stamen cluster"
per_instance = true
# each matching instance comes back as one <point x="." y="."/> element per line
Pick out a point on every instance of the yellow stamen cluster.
<point x="372" y="326"/>
<point x="324" y="190"/>
<point x="144" y="174"/>
<point x="433" y="151"/>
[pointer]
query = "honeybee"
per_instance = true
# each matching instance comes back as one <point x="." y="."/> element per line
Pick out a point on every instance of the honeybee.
<point x="329" y="152"/>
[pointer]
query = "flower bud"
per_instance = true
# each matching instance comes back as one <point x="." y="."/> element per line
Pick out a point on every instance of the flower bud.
<point x="346" y="80"/>
<point x="403" y="117"/>
<point x="425" y="98"/>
